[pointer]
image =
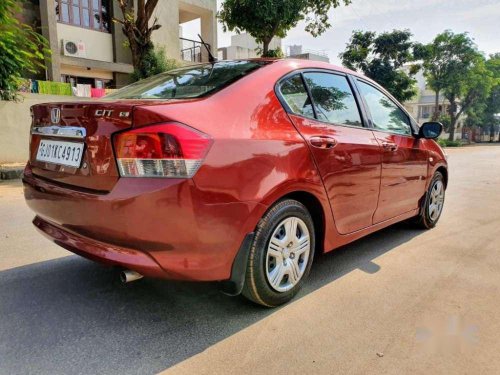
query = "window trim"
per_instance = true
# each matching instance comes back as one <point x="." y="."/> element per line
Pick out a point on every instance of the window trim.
<point x="361" y="107"/>
<point x="413" y="127"/>
<point x="90" y="8"/>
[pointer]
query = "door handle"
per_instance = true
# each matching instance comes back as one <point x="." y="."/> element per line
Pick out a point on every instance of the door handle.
<point x="390" y="146"/>
<point x="323" y="142"/>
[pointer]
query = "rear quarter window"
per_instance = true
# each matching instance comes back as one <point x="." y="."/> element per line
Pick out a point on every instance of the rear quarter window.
<point x="295" y="95"/>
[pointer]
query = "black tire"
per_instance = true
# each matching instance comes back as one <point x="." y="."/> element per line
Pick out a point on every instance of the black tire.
<point x="257" y="287"/>
<point x="424" y="219"/>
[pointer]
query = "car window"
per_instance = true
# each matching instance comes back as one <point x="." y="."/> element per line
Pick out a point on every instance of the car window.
<point x="333" y="98"/>
<point x="188" y="82"/>
<point x="386" y="115"/>
<point x="295" y="95"/>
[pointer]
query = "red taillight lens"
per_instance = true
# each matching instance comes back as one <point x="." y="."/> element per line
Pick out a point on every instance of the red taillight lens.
<point x="165" y="150"/>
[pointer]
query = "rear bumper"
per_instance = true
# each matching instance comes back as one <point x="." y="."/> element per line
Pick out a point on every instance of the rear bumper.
<point x="163" y="228"/>
<point x="99" y="251"/>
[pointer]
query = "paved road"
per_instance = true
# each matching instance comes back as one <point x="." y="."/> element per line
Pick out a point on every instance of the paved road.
<point x="399" y="301"/>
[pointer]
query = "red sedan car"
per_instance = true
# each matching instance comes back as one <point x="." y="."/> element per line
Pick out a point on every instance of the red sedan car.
<point x="236" y="171"/>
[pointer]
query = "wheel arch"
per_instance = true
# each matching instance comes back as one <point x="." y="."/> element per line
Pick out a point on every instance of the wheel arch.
<point x="317" y="212"/>
<point x="444" y="172"/>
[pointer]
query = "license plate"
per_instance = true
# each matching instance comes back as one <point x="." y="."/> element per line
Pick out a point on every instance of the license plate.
<point x="60" y="152"/>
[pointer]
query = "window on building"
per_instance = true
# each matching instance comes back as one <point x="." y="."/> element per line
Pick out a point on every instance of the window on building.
<point x="333" y="99"/>
<point x="90" y="14"/>
<point x="386" y="115"/>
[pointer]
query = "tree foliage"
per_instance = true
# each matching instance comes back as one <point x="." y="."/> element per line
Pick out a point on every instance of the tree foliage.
<point x="488" y="114"/>
<point x="135" y="26"/>
<point x="153" y="63"/>
<point x="381" y="58"/>
<point x="265" y="19"/>
<point x="22" y="50"/>
<point x="453" y="66"/>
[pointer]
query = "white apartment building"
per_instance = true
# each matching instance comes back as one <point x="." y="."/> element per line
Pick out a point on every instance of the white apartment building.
<point x="244" y="46"/>
<point x="87" y="47"/>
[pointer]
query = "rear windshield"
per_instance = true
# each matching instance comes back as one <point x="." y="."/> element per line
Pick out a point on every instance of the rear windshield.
<point x="188" y="82"/>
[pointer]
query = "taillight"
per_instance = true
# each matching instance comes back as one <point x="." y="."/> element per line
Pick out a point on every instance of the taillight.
<point x="165" y="150"/>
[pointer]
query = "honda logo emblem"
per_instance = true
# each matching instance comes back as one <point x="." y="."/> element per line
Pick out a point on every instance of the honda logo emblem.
<point x="55" y="115"/>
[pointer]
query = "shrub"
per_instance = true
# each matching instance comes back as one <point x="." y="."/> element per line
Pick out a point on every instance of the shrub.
<point x="448" y="143"/>
<point x="22" y="50"/>
<point x="154" y="62"/>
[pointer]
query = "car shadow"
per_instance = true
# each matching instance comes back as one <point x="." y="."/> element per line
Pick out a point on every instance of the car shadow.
<point x="73" y="316"/>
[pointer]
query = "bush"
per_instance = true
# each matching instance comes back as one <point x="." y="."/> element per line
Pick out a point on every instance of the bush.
<point x="272" y="53"/>
<point x="153" y="63"/>
<point x="22" y="50"/>
<point x="448" y="143"/>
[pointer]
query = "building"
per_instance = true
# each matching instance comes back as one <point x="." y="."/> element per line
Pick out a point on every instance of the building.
<point x="422" y="106"/>
<point x="87" y="47"/>
<point x="244" y="46"/>
<point x="297" y="52"/>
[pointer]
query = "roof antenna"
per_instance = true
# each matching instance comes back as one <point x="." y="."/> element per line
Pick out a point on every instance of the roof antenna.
<point x="211" y="58"/>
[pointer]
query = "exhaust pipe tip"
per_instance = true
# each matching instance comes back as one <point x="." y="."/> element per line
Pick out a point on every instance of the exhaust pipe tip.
<point x="128" y="276"/>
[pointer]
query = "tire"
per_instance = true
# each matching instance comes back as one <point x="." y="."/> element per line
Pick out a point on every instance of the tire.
<point x="276" y="270"/>
<point x="432" y="204"/>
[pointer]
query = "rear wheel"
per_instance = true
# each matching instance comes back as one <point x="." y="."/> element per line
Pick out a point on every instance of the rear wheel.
<point x="281" y="254"/>
<point x="432" y="205"/>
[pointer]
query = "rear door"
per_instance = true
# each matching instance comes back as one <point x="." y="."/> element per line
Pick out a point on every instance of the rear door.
<point x="404" y="164"/>
<point x="324" y="110"/>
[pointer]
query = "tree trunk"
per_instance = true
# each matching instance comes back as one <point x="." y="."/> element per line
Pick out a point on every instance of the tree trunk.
<point x="435" y="115"/>
<point x="265" y="47"/>
<point x="453" y="121"/>
<point x="453" y="117"/>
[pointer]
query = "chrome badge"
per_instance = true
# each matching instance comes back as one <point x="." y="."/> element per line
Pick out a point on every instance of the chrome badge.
<point x="55" y="115"/>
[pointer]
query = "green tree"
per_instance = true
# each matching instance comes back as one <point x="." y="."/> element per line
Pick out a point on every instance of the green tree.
<point x="489" y="116"/>
<point x="136" y="27"/>
<point x="446" y="57"/>
<point x="381" y="58"/>
<point x="467" y="90"/>
<point x="265" y="19"/>
<point x="153" y="62"/>
<point x="22" y="50"/>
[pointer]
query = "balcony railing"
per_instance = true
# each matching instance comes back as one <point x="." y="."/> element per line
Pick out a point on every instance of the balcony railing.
<point x="192" y="50"/>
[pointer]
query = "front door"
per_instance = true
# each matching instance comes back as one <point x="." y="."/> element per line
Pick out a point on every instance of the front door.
<point x="347" y="154"/>
<point x="404" y="162"/>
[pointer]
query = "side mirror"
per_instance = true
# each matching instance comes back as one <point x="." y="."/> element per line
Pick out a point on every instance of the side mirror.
<point x="430" y="130"/>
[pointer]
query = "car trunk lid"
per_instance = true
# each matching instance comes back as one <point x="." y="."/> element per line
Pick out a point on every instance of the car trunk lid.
<point x="65" y="127"/>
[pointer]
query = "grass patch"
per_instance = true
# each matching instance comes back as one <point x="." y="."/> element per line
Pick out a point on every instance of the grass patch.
<point x="448" y="143"/>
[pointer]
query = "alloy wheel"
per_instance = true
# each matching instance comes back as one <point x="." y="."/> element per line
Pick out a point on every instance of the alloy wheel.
<point x="436" y="200"/>
<point x="287" y="254"/>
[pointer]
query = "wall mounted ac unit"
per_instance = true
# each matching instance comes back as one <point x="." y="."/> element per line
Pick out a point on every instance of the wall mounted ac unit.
<point x="74" y="48"/>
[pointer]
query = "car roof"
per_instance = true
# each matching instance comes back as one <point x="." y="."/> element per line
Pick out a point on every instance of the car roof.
<point x="304" y="64"/>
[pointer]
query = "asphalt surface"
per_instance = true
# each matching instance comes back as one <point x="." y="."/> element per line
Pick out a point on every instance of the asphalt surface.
<point x="399" y="301"/>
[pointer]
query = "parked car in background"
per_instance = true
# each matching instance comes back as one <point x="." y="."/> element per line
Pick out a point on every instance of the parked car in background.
<point x="236" y="171"/>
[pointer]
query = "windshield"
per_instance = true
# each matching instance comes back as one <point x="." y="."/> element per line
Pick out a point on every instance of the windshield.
<point x="188" y="82"/>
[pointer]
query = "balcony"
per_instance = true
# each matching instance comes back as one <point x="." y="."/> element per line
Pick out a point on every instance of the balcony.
<point x="193" y="51"/>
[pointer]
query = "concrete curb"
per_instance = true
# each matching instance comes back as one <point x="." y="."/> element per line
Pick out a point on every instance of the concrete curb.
<point x="11" y="171"/>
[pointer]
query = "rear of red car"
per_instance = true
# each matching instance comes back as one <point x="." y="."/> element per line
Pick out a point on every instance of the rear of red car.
<point x="113" y="181"/>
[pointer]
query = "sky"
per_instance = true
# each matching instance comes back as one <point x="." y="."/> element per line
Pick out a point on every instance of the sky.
<point x="424" y="18"/>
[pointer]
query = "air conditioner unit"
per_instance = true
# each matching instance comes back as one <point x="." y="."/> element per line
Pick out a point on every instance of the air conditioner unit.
<point x="74" y="48"/>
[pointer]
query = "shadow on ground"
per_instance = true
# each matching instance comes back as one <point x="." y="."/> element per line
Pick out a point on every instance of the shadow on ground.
<point x="72" y="316"/>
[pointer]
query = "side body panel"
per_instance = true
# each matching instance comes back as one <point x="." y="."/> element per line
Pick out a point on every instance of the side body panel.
<point x="350" y="171"/>
<point x="404" y="175"/>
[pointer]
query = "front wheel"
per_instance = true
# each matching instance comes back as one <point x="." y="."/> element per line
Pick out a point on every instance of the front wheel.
<point x="281" y="254"/>
<point x="432" y="204"/>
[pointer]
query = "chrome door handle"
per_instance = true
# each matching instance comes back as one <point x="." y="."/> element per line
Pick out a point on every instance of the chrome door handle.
<point x="323" y="142"/>
<point x="390" y="146"/>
